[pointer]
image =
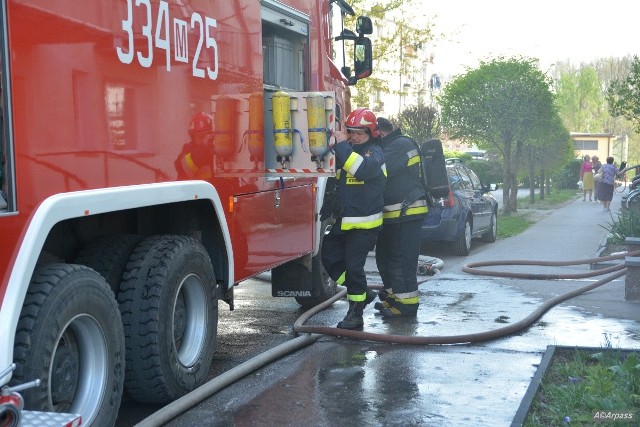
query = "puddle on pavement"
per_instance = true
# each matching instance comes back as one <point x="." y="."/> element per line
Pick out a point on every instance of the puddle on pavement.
<point x="360" y="383"/>
<point x="471" y="305"/>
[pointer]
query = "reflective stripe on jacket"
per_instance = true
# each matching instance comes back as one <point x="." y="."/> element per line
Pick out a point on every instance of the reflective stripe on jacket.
<point x="361" y="176"/>
<point x="404" y="196"/>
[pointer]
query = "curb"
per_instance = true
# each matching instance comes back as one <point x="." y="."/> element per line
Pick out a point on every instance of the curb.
<point x="603" y="264"/>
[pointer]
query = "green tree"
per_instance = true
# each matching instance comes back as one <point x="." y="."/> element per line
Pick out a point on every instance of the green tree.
<point x="394" y="48"/>
<point x="582" y="92"/>
<point x="624" y="96"/>
<point x="504" y="104"/>
<point x="546" y="155"/>
<point x="581" y="100"/>
<point x="421" y="122"/>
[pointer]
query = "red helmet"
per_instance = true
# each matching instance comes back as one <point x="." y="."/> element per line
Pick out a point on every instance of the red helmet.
<point x="200" y="123"/>
<point x="363" y="118"/>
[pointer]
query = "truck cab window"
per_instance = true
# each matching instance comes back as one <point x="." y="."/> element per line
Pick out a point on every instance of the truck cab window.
<point x="285" y="44"/>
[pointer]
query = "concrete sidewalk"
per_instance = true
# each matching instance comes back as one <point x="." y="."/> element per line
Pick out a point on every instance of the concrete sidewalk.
<point x="471" y="381"/>
<point x="573" y="232"/>
<point x="601" y="317"/>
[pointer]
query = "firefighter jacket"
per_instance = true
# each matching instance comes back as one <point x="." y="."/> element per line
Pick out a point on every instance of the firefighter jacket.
<point x="404" y="195"/>
<point x="360" y="180"/>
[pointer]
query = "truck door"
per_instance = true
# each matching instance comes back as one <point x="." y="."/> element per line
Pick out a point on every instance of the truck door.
<point x="7" y="194"/>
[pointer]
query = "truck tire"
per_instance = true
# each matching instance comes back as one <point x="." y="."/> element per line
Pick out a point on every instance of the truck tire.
<point x="108" y="255"/>
<point x="70" y="337"/>
<point x="170" y="316"/>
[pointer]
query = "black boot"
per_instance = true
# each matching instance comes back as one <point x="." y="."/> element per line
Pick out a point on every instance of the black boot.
<point x="396" y="308"/>
<point x="383" y="296"/>
<point x="353" y="319"/>
<point x="371" y="295"/>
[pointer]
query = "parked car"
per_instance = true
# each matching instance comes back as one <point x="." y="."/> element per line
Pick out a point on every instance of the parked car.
<point x="469" y="212"/>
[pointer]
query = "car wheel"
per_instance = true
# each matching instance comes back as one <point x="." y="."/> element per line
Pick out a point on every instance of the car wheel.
<point x="462" y="246"/>
<point x="490" y="236"/>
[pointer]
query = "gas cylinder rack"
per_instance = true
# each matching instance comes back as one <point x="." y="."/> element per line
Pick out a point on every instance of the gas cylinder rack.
<point x="298" y="133"/>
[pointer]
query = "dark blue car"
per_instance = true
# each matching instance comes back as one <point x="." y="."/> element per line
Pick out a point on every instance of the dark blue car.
<point x="469" y="212"/>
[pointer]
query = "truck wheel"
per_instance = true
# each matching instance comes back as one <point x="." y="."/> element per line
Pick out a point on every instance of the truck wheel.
<point x="170" y="316"/>
<point x="323" y="287"/>
<point x="108" y="255"/>
<point x="70" y="337"/>
<point x="462" y="246"/>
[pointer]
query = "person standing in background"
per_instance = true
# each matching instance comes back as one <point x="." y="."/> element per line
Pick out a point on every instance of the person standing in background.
<point x="405" y="206"/>
<point x="596" y="164"/>
<point x="586" y="176"/>
<point x="607" y="183"/>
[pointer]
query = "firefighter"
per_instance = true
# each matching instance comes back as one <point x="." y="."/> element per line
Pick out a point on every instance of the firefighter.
<point x="360" y="180"/>
<point x="405" y="206"/>
<point x="196" y="158"/>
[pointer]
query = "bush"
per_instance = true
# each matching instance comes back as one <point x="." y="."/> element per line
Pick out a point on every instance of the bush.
<point x="489" y="172"/>
<point x="567" y="177"/>
<point x="627" y="224"/>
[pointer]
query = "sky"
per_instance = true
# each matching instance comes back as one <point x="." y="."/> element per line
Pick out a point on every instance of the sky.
<point x="550" y="30"/>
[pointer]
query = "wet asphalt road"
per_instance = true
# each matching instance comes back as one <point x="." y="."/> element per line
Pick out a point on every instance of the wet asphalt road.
<point x="359" y="383"/>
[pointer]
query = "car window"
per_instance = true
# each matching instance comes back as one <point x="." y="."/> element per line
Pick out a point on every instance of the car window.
<point x="475" y="181"/>
<point x="454" y="179"/>
<point x="465" y="181"/>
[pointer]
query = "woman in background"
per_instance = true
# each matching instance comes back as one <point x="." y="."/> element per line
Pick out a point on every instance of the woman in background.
<point x="586" y="176"/>
<point x="597" y="164"/>
<point x="607" y="182"/>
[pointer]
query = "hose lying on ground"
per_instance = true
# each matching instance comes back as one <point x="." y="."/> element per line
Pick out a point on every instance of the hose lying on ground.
<point x="313" y="333"/>
<point x="177" y="407"/>
<point x="618" y="271"/>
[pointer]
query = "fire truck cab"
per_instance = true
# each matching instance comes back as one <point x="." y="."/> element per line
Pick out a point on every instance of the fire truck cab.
<point x="153" y="155"/>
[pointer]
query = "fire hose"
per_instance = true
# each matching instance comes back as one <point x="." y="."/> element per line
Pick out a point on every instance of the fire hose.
<point x="312" y="333"/>
<point x="472" y="268"/>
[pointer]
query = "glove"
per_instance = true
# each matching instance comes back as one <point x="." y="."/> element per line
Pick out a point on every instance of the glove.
<point x="330" y="199"/>
<point x="327" y="207"/>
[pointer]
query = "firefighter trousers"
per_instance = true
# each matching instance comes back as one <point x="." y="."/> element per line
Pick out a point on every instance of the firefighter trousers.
<point x="344" y="254"/>
<point x="397" y="252"/>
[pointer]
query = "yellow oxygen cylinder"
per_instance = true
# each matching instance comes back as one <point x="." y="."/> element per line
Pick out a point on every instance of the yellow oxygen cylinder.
<point x="282" y="132"/>
<point x="317" y="125"/>
<point x="256" y="127"/>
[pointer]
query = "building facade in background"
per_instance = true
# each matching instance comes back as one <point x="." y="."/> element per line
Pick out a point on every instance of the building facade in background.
<point x="602" y="145"/>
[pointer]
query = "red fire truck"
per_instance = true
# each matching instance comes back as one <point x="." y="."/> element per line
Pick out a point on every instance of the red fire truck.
<point x="154" y="154"/>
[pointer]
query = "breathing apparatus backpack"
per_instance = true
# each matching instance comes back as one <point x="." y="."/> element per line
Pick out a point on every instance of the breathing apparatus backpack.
<point x="433" y="170"/>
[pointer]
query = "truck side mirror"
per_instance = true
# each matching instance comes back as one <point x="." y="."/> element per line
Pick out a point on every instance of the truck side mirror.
<point x="364" y="26"/>
<point x="362" y="58"/>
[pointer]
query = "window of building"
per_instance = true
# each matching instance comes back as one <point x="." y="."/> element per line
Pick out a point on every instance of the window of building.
<point x="586" y="144"/>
